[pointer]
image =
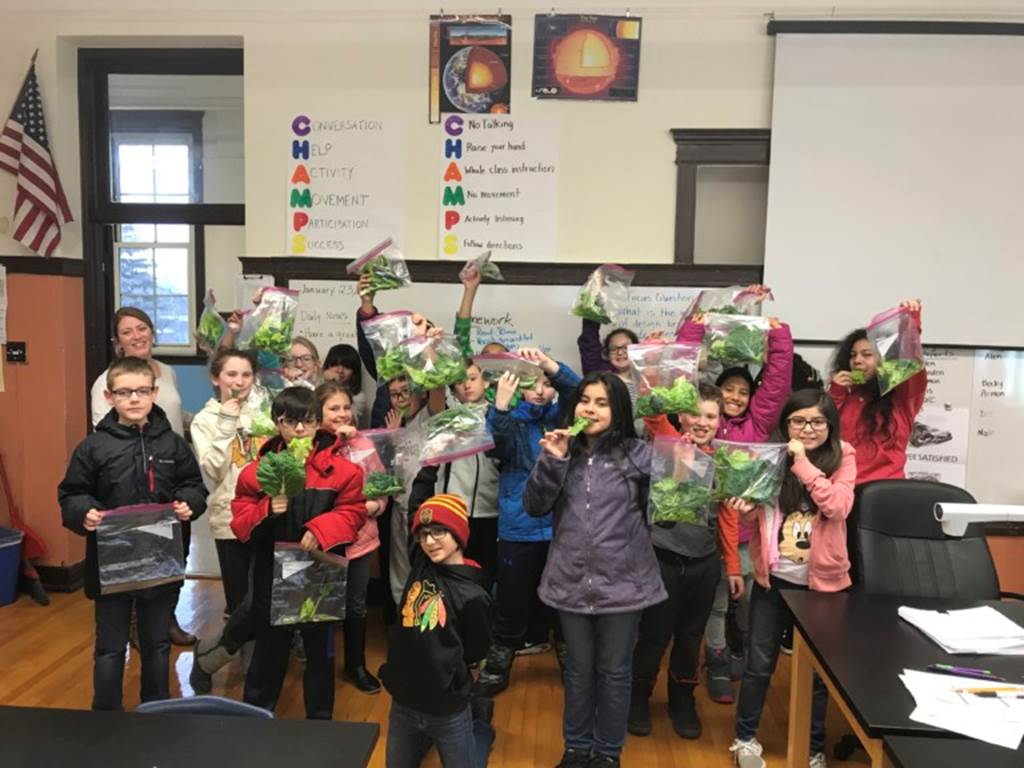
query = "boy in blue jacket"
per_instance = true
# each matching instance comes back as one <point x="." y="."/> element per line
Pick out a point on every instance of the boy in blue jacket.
<point x="521" y="622"/>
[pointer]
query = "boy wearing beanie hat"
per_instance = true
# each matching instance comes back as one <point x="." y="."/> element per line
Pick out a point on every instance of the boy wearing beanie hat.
<point x="444" y="627"/>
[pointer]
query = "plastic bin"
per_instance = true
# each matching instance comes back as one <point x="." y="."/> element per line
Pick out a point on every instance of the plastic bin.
<point x="10" y="564"/>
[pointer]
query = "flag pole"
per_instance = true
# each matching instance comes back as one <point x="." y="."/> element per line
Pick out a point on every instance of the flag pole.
<point x="34" y="57"/>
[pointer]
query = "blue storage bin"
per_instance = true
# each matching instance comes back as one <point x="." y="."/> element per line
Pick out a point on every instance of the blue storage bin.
<point x="10" y="563"/>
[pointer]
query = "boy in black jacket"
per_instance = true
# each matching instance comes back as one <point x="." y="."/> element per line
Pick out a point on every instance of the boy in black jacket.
<point x="444" y="627"/>
<point x="133" y="457"/>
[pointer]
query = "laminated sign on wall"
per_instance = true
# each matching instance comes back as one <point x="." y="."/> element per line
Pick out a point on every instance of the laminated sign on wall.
<point x="344" y="184"/>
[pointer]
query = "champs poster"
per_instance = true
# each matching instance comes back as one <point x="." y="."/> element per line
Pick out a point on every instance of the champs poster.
<point x="470" y="65"/>
<point x="580" y="57"/>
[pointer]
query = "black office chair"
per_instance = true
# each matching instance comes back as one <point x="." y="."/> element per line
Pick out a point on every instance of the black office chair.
<point x="203" y="705"/>
<point x="897" y="547"/>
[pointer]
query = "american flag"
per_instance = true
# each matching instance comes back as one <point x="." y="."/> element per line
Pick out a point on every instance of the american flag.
<point x="40" y="206"/>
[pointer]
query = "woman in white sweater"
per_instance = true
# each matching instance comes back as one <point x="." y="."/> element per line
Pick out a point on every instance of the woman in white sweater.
<point x="223" y="442"/>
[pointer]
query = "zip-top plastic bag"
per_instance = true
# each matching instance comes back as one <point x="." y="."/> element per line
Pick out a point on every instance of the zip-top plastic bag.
<point x="384" y="456"/>
<point x="492" y="366"/>
<point x="734" y="300"/>
<point x="736" y="339"/>
<point x="385" y="333"/>
<point x="212" y="327"/>
<point x="386" y="267"/>
<point x="605" y="294"/>
<point x="483" y="266"/>
<point x="431" y="362"/>
<point x="749" y="471"/>
<point x="666" y="377"/>
<point x="455" y="433"/>
<point x="681" y="479"/>
<point x="900" y="355"/>
<point x="268" y="328"/>
<point x="308" y="587"/>
<point x="138" y="547"/>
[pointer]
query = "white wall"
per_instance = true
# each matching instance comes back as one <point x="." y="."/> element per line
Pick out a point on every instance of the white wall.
<point x="705" y="63"/>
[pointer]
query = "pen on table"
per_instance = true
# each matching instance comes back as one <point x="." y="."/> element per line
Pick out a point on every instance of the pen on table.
<point x="994" y="695"/>
<point x="980" y="674"/>
<point x="992" y="691"/>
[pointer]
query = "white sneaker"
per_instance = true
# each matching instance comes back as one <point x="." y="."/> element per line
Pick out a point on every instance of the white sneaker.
<point x="818" y="761"/>
<point x="747" y="754"/>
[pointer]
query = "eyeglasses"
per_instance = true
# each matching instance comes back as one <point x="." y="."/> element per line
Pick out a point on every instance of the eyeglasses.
<point x="401" y="394"/>
<point x="435" y="532"/>
<point x="285" y="421"/>
<point x="299" y="360"/>
<point x="127" y="394"/>
<point x="799" y="424"/>
<point x="618" y="350"/>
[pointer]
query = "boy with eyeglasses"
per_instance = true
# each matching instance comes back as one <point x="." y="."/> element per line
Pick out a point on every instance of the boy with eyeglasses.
<point x="444" y="627"/>
<point x="133" y="457"/>
<point x="325" y="516"/>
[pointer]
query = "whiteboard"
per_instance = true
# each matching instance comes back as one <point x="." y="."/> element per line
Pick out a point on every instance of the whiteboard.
<point x="899" y="158"/>
<point x="515" y="315"/>
<point x="976" y="396"/>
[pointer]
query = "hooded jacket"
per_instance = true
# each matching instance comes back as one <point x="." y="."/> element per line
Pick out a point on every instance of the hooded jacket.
<point x="119" y="465"/>
<point x="443" y="628"/>
<point x="517" y="435"/>
<point x="332" y="507"/>
<point x="601" y="558"/>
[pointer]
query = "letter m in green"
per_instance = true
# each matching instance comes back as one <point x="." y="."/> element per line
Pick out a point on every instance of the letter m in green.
<point x="301" y="199"/>
<point x="453" y="196"/>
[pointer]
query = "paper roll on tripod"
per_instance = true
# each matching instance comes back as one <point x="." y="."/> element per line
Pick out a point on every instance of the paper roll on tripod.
<point x="956" y="517"/>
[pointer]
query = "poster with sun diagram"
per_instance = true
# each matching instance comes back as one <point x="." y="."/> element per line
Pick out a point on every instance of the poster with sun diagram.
<point x="470" y="65"/>
<point x="592" y="58"/>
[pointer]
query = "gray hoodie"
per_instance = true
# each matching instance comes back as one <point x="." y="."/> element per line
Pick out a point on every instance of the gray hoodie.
<point x="601" y="558"/>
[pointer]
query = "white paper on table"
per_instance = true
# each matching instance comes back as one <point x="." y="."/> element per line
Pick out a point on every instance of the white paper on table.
<point x="940" y="705"/>
<point x="973" y="630"/>
<point x="290" y="567"/>
<point x="163" y="529"/>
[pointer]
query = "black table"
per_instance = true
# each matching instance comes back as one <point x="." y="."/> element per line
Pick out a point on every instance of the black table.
<point x="859" y="646"/>
<point x="67" y="737"/>
<point x="920" y="752"/>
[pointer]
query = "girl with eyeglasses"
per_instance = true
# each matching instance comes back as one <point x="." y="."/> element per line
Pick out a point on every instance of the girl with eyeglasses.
<point x="878" y="426"/>
<point x="302" y="366"/>
<point x="798" y="544"/>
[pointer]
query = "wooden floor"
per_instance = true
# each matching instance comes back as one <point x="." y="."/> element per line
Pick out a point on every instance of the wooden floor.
<point x="47" y="662"/>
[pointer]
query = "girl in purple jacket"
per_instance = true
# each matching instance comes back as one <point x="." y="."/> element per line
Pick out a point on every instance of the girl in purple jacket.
<point x="601" y="571"/>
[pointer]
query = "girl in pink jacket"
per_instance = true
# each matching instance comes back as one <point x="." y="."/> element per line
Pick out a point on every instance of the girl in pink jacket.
<point x="799" y="544"/>
<point x="336" y="401"/>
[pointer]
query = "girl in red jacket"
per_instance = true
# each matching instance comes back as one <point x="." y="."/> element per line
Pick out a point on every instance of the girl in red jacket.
<point x="327" y="515"/>
<point x="878" y="426"/>
<point x="799" y="544"/>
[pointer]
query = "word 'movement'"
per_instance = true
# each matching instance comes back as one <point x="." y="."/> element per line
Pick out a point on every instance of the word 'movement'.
<point x="454" y="196"/>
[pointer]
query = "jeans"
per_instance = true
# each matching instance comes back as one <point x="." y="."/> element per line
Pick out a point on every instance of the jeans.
<point x="520" y="615"/>
<point x="731" y="621"/>
<point x="461" y="742"/>
<point x="234" y="558"/>
<point x="270" y="663"/>
<point x="714" y="633"/>
<point x="113" y="619"/>
<point x="598" y="673"/>
<point x="768" y="617"/>
<point x="691" y="583"/>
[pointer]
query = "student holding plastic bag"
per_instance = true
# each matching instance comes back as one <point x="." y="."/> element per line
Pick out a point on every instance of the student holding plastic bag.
<point x="601" y="572"/>
<point x="610" y="354"/>
<point x="133" y="457"/>
<point x="878" y="425"/>
<point x="336" y="402"/>
<point x="799" y="543"/>
<point x="522" y="622"/>
<point x="324" y="515"/>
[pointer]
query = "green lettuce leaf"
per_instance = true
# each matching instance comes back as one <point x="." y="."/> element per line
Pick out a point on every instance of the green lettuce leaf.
<point x="590" y="306"/>
<point x="739" y="474"/>
<point x="211" y="330"/>
<point x="579" y="424"/>
<point x="742" y="344"/>
<point x="281" y="474"/>
<point x="274" y="336"/>
<point x="681" y="397"/>
<point x="382" y="276"/>
<point x="892" y="373"/>
<point x="679" y="502"/>
<point x="380" y="484"/>
<point x="857" y="377"/>
<point x="444" y="370"/>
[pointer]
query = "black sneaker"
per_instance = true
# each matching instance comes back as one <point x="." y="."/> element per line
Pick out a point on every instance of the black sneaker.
<point x="638" y="721"/>
<point x="682" y="710"/>
<point x="574" y="758"/>
<point x="787" y="641"/>
<point x="493" y="678"/>
<point x="603" y="761"/>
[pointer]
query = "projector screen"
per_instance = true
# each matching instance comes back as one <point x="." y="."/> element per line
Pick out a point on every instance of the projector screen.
<point x="897" y="171"/>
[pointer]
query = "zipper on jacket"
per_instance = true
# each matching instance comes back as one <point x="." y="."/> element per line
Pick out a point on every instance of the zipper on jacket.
<point x="476" y="484"/>
<point x="147" y="464"/>
<point x="590" y="580"/>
